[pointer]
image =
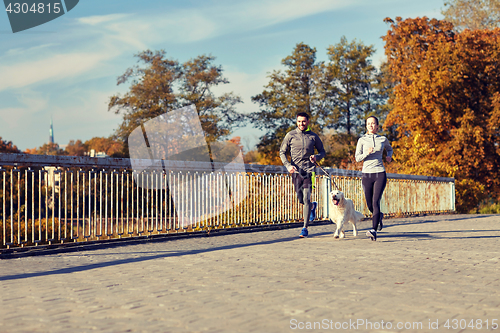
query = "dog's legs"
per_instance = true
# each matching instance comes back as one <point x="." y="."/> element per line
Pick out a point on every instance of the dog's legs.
<point x="354" y="229"/>
<point x="336" y="234"/>
<point x="339" y="233"/>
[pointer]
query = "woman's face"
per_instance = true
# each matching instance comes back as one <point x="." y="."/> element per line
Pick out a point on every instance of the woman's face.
<point x="371" y="126"/>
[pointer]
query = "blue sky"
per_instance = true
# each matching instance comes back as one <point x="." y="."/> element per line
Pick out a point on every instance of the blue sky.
<point x="67" y="68"/>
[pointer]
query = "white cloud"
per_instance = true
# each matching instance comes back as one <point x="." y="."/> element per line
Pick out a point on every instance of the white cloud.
<point x="22" y="51"/>
<point x="58" y="67"/>
<point x="120" y="33"/>
<point x="76" y="115"/>
<point x="98" y="19"/>
<point x="195" y="24"/>
<point x="30" y="102"/>
<point x="140" y="31"/>
<point x="272" y="12"/>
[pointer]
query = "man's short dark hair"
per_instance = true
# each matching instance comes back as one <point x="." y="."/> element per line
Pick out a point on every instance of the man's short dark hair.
<point x="303" y="114"/>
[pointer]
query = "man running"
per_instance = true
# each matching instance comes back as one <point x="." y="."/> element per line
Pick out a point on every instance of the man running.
<point x="301" y="143"/>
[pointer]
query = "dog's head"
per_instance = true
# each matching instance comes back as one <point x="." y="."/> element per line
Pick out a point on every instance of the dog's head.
<point x="337" y="197"/>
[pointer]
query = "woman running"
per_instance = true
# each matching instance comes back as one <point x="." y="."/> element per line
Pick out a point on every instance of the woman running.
<point x="369" y="150"/>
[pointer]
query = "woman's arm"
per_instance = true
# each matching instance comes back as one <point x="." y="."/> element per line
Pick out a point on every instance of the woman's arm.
<point x="360" y="155"/>
<point x="388" y="148"/>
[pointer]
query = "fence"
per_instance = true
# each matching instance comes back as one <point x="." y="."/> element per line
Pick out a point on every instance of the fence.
<point x="61" y="199"/>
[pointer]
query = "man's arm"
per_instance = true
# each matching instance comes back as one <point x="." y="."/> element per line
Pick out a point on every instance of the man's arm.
<point x="285" y="146"/>
<point x="321" y="150"/>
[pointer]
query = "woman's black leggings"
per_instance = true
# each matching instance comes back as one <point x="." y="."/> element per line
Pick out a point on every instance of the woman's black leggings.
<point x="373" y="186"/>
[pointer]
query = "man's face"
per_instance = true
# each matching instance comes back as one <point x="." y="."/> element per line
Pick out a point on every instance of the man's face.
<point x="302" y="123"/>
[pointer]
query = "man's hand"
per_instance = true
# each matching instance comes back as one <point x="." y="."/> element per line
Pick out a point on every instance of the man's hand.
<point x="291" y="169"/>
<point x="312" y="158"/>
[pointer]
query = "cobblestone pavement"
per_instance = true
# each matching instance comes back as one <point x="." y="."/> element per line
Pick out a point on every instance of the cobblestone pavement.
<point x="421" y="272"/>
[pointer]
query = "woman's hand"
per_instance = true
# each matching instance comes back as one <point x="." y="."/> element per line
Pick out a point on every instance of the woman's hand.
<point x="370" y="150"/>
<point x="388" y="159"/>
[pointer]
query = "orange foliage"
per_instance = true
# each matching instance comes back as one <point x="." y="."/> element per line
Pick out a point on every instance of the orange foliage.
<point x="32" y="151"/>
<point x="8" y="147"/>
<point x="107" y="145"/>
<point x="236" y="140"/>
<point x="446" y="102"/>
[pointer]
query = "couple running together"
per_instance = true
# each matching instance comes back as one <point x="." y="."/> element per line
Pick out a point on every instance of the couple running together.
<point x="300" y="145"/>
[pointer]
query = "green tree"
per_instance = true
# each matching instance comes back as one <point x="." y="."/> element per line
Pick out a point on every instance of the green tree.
<point x="296" y="89"/>
<point x="472" y="14"/>
<point x="350" y="84"/>
<point x="338" y="94"/>
<point x="164" y="85"/>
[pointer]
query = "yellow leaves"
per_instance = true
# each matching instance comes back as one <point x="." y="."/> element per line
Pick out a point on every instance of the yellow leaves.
<point x="447" y="102"/>
<point x="469" y="192"/>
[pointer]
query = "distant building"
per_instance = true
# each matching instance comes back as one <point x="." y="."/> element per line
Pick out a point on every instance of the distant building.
<point x="93" y="153"/>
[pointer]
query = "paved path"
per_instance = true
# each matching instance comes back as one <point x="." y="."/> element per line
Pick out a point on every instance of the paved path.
<point x="420" y="270"/>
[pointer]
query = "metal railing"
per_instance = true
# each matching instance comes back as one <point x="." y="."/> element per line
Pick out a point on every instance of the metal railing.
<point x="61" y="199"/>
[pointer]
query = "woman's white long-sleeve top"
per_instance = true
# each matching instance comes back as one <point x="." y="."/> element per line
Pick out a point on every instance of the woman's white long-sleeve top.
<point x="372" y="163"/>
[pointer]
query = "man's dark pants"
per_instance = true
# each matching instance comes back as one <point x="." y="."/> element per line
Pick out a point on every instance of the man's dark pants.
<point x="303" y="187"/>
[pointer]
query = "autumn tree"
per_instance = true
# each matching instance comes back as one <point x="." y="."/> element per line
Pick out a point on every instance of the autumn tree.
<point x="46" y="149"/>
<point x="446" y="104"/>
<point x="252" y="157"/>
<point x="472" y="14"/>
<point x="75" y="148"/>
<point x="110" y="146"/>
<point x="8" y="147"/>
<point x="337" y="94"/>
<point x="163" y="85"/>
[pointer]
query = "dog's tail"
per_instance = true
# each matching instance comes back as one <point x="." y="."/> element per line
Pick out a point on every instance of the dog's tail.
<point x="359" y="216"/>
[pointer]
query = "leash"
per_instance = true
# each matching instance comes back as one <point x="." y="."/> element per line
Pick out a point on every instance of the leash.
<point x="330" y="176"/>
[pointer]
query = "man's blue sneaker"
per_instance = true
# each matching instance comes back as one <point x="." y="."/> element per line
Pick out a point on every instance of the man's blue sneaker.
<point x="312" y="217"/>
<point x="303" y="233"/>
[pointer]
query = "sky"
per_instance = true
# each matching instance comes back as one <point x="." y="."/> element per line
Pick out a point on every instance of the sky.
<point x="66" y="70"/>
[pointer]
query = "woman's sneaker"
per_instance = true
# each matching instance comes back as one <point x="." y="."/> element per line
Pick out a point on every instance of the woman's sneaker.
<point x="303" y="233"/>
<point x="372" y="234"/>
<point x="312" y="217"/>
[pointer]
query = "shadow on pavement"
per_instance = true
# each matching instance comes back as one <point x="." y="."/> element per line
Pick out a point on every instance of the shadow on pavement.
<point x="389" y="237"/>
<point x="144" y="258"/>
<point x="436" y="235"/>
